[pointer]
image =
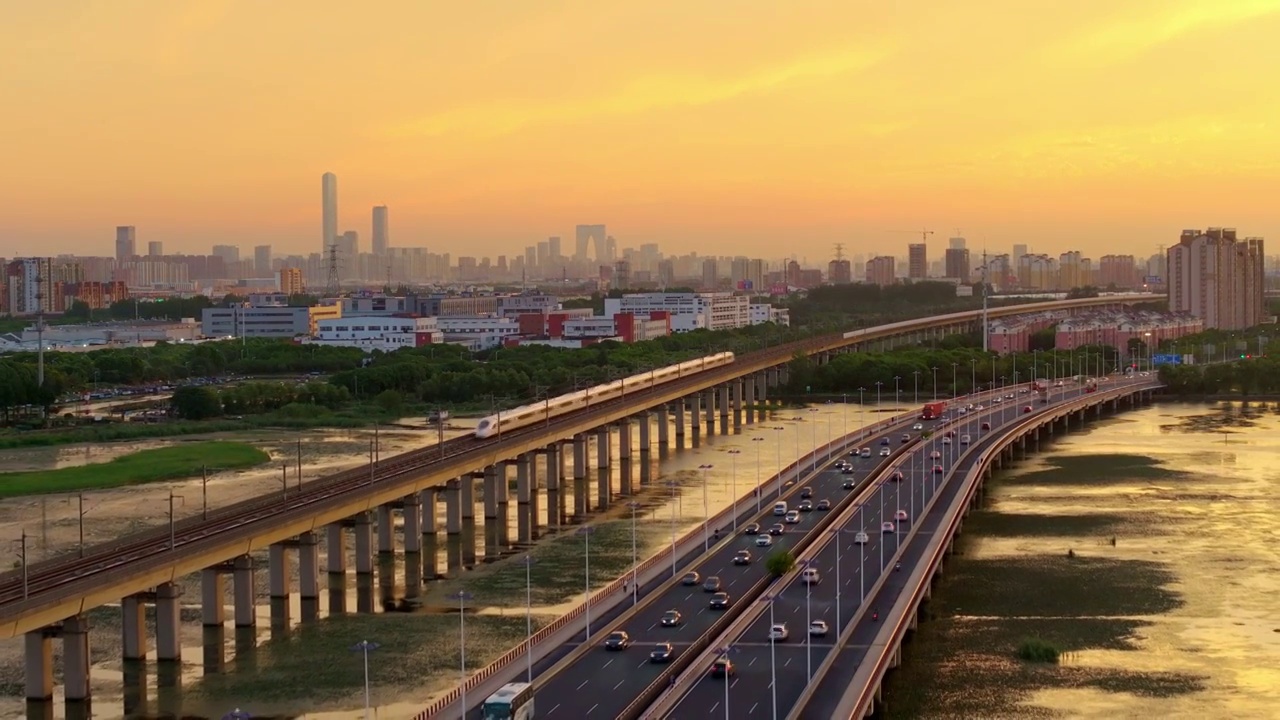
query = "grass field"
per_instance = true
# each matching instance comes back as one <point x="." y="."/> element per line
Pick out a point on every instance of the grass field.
<point x="168" y="463"/>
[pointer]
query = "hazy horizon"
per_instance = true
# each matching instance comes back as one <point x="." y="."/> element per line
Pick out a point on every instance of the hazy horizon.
<point x="728" y="128"/>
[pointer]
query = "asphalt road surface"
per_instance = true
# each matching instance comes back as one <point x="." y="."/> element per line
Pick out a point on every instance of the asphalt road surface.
<point x="839" y="593"/>
<point x="602" y="682"/>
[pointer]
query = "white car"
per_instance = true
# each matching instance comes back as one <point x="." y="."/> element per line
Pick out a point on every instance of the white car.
<point x="778" y="632"/>
<point x="885" y="452"/>
<point x="793" y="517"/>
<point x="964" y="439"/>
<point x="918" y="426"/>
<point x="935" y="455"/>
<point x="818" y="628"/>
<point x="764" y="541"/>
<point x="901" y="515"/>
<point x="861" y="539"/>
<point x="888" y="527"/>
<point x="946" y="441"/>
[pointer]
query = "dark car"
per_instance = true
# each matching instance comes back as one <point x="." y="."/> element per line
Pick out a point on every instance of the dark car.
<point x="986" y="426"/>
<point x="896" y="476"/>
<point x="617" y="640"/>
<point x="742" y="557"/>
<point x="690" y="578"/>
<point x="884" y="441"/>
<point x="805" y="506"/>
<point x="722" y="667"/>
<point x="712" y="584"/>
<point x="824" y="505"/>
<point x="806" y="492"/>
<point x="777" y="529"/>
<point x="752" y="529"/>
<point x="660" y="653"/>
<point x="906" y="438"/>
<point x="719" y="601"/>
<point x="847" y="471"/>
<point x="672" y="618"/>
<point x="849" y="485"/>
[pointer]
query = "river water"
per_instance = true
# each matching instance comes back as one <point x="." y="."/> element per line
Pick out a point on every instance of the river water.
<point x="1146" y="548"/>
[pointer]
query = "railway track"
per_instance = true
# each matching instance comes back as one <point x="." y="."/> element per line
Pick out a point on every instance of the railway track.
<point x="50" y="575"/>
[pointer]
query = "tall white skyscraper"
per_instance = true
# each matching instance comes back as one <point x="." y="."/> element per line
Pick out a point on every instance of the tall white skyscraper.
<point x="329" y="203"/>
<point x="380" y="237"/>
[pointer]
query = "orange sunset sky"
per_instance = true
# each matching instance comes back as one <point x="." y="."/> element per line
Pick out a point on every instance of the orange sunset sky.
<point x="725" y="126"/>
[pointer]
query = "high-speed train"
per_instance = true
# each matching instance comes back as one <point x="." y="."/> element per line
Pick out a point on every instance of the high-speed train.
<point x="526" y="415"/>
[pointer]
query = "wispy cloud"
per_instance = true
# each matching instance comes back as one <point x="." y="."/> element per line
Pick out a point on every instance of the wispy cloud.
<point x="1134" y="34"/>
<point x="645" y="94"/>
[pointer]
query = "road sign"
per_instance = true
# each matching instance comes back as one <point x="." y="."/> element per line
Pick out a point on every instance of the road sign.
<point x="1167" y="359"/>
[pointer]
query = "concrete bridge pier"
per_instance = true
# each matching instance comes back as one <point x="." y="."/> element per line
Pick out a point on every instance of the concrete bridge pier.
<point x="709" y="406"/>
<point x="213" y="611"/>
<point x="386" y="530"/>
<point x="309" y="574"/>
<point x="695" y="418"/>
<point x="581" y="495"/>
<point x="784" y="375"/>
<point x="453" y="507"/>
<point x="39" y="665"/>
<point x="364" y="543"/>
<point x="524" y="529"/>
<point x="430" y="528"/>
<point x="663" y="422"/>
<point x="246" y="614"/>
<point x="278" y="571"/>
<point x="468" y="498"/>
<point x="492" y="518"/>
<point x="168" y="623"/>
<point x="624" y="456"/>
<point x="763" y="381"/>
<point x="412" y="523"/>
<point x="133" y="626"/>
<point x="749" y="398"/>
<point x="679" y="411"/>
<point x="335" y="549"/>
<point x="555" y="496"/>
<point x="535" y="503"/>
<point x="604" y="480"/>
<point x="739" y="387"/>
<point x="723" y="392"/>
<point x="504" y="502"/>
<point x="75" y="659"/>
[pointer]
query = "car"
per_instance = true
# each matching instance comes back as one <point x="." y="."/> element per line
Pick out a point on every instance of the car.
<point x="806" y="492"/>
<point x="935" y="455"/>
<point x="824" y="505"/>
<point x="853" y="452"/>
<point x="951" y="433"/>
<point x="901" y="515"/>
<point x="805" y="506"/>
<point x="887" y="527"/>
<point x="810" y="576"/>
<point x="764" y="541"/>
<point x="1059" y="383"/>
<point x="918" y="426"/>
<point x="848" y="485"/>
<point x="691" y="578"/>
<point x="778" y="632"/>
<point x="617" y="640"/>
<point x="661" y="653"/>
<point x="672" y="618"/>
<point x="1026" y="409"/>
<point x="847" y="470"/>
<point x="861" y="539"/>
<point x="946" y="441"/>
<point x="793" y="517"/>
<point x="818" y="628"/>
<point x="1009" y="396"/>
<point x="866" y="452"/>
<point x="742" y="557"/>
<point x="711" y="584"/>
<point x="963" y="411"/>
<point x="885" y="452"/>
<point x="996" y="401"/>
<point x="906" y="438"/>
<point x="777" y="529"/>
<point x="884" y="441"/>
<point x="937" y="470"/>
<point x="719" y="601"/>
<point x="722" y="667"/>
<point x="1023" y="391"/>
<point x="752" y="529"/>
<point x="896" y="476"/>
<point x="979" y="408"/>
<point x="986" y="426"/>
<point x="964" y="439"/>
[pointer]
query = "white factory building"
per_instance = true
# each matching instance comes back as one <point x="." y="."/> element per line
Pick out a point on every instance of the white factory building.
<point x="384" y="333"/>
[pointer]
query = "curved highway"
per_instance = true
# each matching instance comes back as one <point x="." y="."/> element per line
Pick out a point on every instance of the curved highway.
<point x="843" y="594"/>
<point x="603" y="682"/>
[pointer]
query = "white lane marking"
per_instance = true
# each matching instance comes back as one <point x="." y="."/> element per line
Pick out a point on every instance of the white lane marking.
<point x="593" y="707"/>
<point x="620" y="682"/>
<point x="584" y="683"/>
<point x="607" y="664"/>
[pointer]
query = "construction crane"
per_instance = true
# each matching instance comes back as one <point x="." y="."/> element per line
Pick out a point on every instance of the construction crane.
<point x="924" y="234"/>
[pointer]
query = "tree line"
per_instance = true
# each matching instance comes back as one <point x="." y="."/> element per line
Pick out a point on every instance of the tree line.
<point x="1256" y="376"/>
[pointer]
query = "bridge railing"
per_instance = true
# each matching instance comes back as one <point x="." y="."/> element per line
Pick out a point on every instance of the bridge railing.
<point x="859" y="696"/>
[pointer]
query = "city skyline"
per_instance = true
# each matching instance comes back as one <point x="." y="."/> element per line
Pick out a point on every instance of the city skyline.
<point x="1064" y="128"/>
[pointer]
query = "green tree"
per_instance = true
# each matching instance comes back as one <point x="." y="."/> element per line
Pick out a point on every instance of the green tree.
<point x="391" y="401"/>
<point x="196" y="403"/>
<point x="780" y="562"/>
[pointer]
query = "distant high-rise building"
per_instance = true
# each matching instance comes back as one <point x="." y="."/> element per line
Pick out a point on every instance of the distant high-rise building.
<point x="230" y="254"/>
<point x="1118" y="270"/>
<point x="587" y="235"/>
<point x="262" y="261"/>
<point x="958" y="263"/>
<point x="553" y="249"/>
<point x="666" y="273"/>
<point x="155" y="249"/>
<point x="329" y="210"/>
<point x="956" y="243"/>
<point x="381" y="237"/>
<point x="348" y="249"/>
<point x="1019" y="250"/>
<point x="709" y="276"/>
<point x="290" y="280"/>
<point x="839" y="272"/>
<point x="880" y="271"/>
<point x="917" y="261"/>
<point x="126" y="243"/>
<point x="1218" y="278"/>
<point x="739" y="270"/>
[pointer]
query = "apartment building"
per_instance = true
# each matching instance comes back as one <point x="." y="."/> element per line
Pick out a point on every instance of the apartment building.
<point x="1218" y="277"/>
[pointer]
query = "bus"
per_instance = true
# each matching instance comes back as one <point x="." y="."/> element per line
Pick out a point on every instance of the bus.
<point x="513" y="701"/>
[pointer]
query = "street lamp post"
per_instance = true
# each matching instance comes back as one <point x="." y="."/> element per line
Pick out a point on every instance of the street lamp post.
<point x="953" y="379"/>
<point x="862" y="560"/>
<point x="897" y="397"/>
<point x="724" y="652"/>
<point x="759" y="490"/>
<point x="973" y="374"/>
<point x="778" y="429"/>
<point x="22" y="560"/>
<point x="586" y="532"/>
<point x="916" y="396"/>
<point x="706" y="512"/>
<point x="528" y="612"/>
<point x="878" y="384"/>
<point x="635" y="594"/>
<point x="674" y="486"/>
<point x="935" y="383"/>
<point x="836" y="533"/>
<point x="862" y="409"/>
<point x="808" y="621"/>
<point x="733" y="485"/>
<point x="173" y="523"/>
<point x="462" y="598"/>
<point x="773" y="657"/>
<point x="364" y="647"/>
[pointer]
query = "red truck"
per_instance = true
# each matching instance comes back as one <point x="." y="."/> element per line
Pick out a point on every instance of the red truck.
<point x="932" y="411"/>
